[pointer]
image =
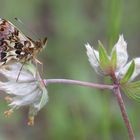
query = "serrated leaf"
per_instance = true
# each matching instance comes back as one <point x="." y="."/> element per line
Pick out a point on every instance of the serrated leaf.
<point x="128" y="74"/>
<point x="103" y="57"/>
<point x="114" y="59"/>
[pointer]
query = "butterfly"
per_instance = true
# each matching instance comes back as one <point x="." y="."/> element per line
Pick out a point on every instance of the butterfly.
<point x="17" y="47"/>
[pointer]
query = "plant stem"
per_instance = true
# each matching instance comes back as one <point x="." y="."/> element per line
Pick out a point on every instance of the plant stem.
<point x="116" y="90"/>
<point x="124" y="113"/>
<point x="76" y="82"/>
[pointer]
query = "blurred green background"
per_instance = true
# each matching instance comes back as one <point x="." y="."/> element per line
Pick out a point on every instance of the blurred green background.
<point x="74" y="113"/>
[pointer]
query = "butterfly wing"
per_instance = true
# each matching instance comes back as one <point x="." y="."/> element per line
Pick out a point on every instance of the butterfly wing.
<point x="14" y="45"/>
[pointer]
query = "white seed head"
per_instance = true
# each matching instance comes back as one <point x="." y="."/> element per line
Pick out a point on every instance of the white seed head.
<point x="27" y="91"/>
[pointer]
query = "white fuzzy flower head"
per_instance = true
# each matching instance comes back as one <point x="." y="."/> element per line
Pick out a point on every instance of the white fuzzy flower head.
<point x="121" y="50"/>
<point x="93" y="57"/>
<point x="27" y="91"/>
<point x="115" y="64"/>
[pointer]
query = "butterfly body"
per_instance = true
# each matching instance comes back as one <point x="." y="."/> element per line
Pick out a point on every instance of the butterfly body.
<point x="15" y="46"/>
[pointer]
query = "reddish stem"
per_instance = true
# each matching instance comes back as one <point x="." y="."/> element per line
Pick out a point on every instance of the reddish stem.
<point x="114" y="87"/>
<point x="124" y="113"/>
<point x="76" y="82"/>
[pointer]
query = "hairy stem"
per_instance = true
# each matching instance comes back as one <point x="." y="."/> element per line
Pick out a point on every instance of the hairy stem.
<point x="76" y="82"/>
<point x="124" y="113"/>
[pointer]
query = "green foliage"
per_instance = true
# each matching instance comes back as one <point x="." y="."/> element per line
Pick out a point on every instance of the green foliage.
<point x="44" y="97"/>
<point x="115" y="9"/>
<point x="133" y="93"/>
<point x="103" y="57"/>
<point x="128" y="74"/>
<point x="134" y="84"/>
<point x="132" y="90"/>
<point x="114" y="59"/>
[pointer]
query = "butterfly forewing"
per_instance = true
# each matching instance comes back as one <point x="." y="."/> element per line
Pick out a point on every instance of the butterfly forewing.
<point x="15" y="46"/>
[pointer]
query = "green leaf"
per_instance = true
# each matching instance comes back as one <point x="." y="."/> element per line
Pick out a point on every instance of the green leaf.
<point x="128" y="74"/>
<point x="104" y="60"/>
<point x="133" y="84"/>
<point x="44" y="98"/>
<point x="132" y="93"/>
<point x="114" y="59"/>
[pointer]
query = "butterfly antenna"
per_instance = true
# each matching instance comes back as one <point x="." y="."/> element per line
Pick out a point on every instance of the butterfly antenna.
<point x="27" y="28"/>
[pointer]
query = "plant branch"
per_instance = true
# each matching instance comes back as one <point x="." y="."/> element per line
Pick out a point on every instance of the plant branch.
<point x="124" y="113"/>
<point x="76" y="82"/>
<point x="116" y="90"/>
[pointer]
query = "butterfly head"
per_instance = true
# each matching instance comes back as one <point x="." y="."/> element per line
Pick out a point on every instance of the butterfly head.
<point x="41" y="43"/>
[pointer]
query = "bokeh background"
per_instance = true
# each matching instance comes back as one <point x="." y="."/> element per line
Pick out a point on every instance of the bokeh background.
<point x="73" y="112"/>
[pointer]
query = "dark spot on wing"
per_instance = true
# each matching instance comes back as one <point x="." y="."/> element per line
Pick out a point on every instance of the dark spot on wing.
<point x="2" y="29"/>
<point x="4" y="48"/>
<point x="2" y="55"/>
<point x="16" y="32"/>
<point x="18" y="45"/>
<point x="18" y="52"/>
<point x="10" y="37"/>
<point x="1" y="41"/>
<point x="4" y="60"/>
